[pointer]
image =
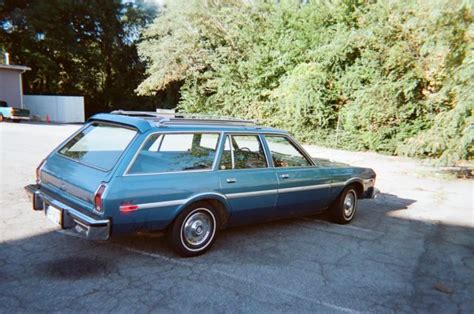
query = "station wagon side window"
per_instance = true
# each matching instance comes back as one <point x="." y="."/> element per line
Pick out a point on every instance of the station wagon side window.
<point x="243" y="152"/>
<point x="171" y="152"/>
<point x="285" y="153"/>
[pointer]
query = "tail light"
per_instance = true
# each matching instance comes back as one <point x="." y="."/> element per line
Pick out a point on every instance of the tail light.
<point x="98" y="198"/>
<point x="38" y="171"/>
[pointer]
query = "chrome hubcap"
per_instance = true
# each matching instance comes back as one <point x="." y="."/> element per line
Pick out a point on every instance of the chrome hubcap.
<point x="197" y="229"/>
<point x="349" y="203"/>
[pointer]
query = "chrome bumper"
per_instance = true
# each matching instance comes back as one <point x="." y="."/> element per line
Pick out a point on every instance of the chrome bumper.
<point x="369" y="189"/>
<point x="371" y="193"/>
<point x="84" y="225"/>
<point x="19" y="118"/>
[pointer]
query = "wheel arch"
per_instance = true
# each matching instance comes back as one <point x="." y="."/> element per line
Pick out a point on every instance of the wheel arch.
<point x="216" y="200"/>
<point x="358" y="185"/>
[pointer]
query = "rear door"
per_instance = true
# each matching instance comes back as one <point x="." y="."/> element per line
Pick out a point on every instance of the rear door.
<point x="168" y="170"/>
<point x="246" y="179"/>
<point x="76" y="169"/>
<point x="302" y="187"/>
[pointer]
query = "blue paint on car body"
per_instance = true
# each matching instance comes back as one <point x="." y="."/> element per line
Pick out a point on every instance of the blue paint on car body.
<point x="287" y="185"/>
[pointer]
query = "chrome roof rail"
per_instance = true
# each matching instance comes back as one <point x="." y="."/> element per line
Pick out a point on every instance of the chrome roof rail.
<point x="185" y="118"/>
<point x="137" y="113"/>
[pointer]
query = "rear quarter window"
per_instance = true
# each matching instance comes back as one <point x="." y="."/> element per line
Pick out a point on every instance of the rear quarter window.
<point x="99" y="145"/>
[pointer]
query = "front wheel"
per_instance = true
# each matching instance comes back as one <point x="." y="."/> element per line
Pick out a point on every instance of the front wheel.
<point x="345" y="207"/>
<point x="194" y="230"/>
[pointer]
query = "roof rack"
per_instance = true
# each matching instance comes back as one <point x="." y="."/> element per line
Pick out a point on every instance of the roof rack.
<point x="136" y="113"/>
<point x="185" y="118"/>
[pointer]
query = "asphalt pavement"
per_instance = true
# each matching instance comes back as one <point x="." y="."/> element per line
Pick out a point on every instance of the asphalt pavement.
<point x="410" y="249"/>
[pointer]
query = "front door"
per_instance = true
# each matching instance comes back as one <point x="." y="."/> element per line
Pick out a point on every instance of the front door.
<point x="303" y="188"/>
<point x="246" y="179"/>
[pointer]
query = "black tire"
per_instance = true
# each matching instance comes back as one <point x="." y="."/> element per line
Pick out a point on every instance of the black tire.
<point x="198" y="219"/>
<point x="16" y="120"/>
<point x="345" y="207"/>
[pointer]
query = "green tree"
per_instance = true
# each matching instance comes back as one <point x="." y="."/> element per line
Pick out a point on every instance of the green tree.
<point x="78" y="47"/>
<point x="385" y="76"/>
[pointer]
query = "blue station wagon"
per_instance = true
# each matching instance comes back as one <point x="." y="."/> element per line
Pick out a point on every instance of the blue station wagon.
<point x="189" y="176"/>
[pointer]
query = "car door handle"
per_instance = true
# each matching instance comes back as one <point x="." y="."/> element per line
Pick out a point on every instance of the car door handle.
<point x="231" y="180"/>
<point x="284" y="176"/>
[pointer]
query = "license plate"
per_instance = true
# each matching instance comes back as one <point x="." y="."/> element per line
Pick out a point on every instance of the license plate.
<point x="54" y="215"/>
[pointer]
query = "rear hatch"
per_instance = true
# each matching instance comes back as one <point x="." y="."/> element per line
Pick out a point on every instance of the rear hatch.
<point x="74" y="172"/>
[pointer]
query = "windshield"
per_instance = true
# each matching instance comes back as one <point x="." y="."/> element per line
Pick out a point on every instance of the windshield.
<point x="99" y="145"/>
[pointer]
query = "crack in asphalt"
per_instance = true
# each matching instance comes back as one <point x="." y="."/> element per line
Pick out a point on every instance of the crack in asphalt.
<point x="394" y="257"/>
<point x="245" y="280"/>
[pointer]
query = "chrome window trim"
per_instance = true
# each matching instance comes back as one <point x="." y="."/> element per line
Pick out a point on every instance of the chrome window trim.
<point x="170" y="172"/>
<point x="246" y="169"/>
<point x="220" y="148"/>
<point x="137" y="132"/>
<point x="229" y="136"/>
<point x="161" y="142"/>
<point x="55" y="151"/>
<point x="232" y="157"/>
<point x="267" y="151"/>
<point x="135" y="156"/>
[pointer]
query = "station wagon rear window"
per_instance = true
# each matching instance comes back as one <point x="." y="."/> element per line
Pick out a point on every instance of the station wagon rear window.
<point x="99" y="145"/>
<point x="171" y="152"/>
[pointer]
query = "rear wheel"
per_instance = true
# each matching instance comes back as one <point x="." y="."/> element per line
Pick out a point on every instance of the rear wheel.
<point x="345" y="207"/>
<point x="16" y="120"/>
<point x="194" y="230"/>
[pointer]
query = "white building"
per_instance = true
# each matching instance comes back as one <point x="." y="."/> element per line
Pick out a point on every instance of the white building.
<point x="11" y="88"/>
<point x="63" y="109"/>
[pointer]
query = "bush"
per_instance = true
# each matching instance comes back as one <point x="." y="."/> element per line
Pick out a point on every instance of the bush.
<point x="389" y="77"/>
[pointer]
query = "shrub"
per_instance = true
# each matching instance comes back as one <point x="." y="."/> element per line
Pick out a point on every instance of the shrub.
<point x="394" y="77"/>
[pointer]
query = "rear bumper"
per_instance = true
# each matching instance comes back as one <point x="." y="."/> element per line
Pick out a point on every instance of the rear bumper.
<point x="19" y="118"/>
<point x="84" y="225"/>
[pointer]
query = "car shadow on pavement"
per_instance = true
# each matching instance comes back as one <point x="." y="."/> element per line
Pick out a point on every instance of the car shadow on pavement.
<point x="381" y="260"/>
<point x="368" y="211"/>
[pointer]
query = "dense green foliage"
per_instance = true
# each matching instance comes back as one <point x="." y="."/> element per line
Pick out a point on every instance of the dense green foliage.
<point x="77" y="48"/>
<point x="394" y="77"/>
